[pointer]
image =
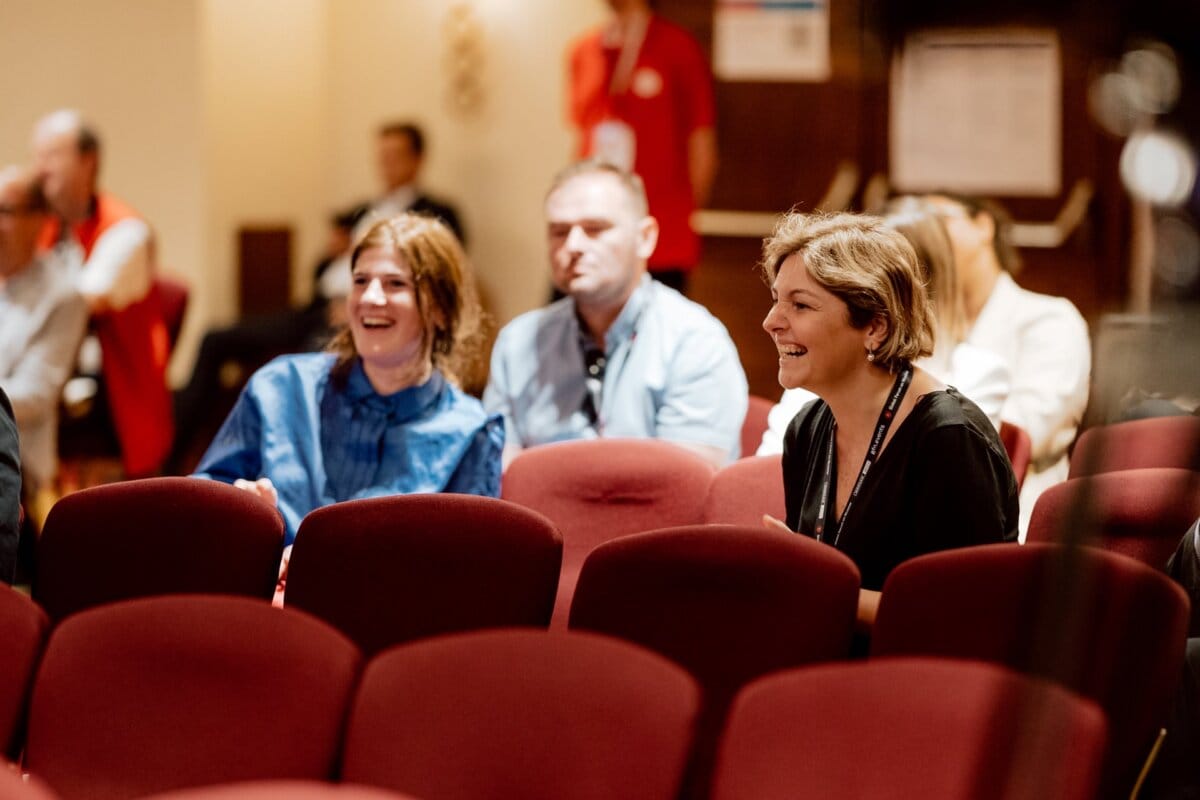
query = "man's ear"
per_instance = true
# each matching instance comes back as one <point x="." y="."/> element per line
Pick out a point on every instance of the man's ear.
<point x="647" y="237"/>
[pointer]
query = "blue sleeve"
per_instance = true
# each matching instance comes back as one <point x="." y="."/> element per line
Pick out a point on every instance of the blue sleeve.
<point x="479" y="470"/>
<point x="10" y="490"/>
<point x="236" y="451"/>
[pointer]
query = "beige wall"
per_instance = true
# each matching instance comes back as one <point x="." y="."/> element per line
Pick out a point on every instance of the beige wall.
<point x="220" y="113"/>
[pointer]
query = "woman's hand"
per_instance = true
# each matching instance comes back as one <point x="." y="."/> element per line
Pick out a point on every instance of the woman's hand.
<point x="262" y="488"/>
<point x="775" y="524"/>
<point x="281" y="584"/>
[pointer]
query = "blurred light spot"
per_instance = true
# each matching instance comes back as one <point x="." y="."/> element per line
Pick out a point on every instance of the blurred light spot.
<point x="1111" y="97"/>
<point x="1154" y="72"/>
<point x="1177" y="253"/>
<point x="1158" y="167"/>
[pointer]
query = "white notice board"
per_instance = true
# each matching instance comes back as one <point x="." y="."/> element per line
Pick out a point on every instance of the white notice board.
<point x="771" y="40"/>
<point x="978" y="112"/>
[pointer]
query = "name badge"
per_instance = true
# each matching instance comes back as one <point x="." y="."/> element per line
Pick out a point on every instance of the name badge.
<point x="614" y="141"/>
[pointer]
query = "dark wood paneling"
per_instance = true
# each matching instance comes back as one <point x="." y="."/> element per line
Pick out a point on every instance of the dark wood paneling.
<point x="264" y="269"/>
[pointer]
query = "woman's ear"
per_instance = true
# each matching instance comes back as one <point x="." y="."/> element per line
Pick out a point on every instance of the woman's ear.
<point x="876" y="332"/>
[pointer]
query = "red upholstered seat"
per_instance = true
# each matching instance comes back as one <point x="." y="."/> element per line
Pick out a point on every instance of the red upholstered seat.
<point x="1107" y="626"/>
<point x="283" y="790"/>
<point x="1019" y="447"/>
<point x="522" y="714"/>
<point x="597" y="489"/>
<point x="755" y="424"/>
<point x="741" y="492"/>
<point x="388" y="570"/>
<point x="1140" y="513"/>
<point x="23" y="628"/>
<point x="15" y="787"/>
<point x="909" y="729"/>
<point x="1154" y="442"/>
<point x="155" y="536"/>
<point x="727" y="603"/>
<point x="168" y="692"/>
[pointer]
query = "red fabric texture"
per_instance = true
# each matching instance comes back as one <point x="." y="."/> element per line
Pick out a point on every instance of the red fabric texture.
<point x="1137" y="444"/>
<point x="135" y="345"/>
<point x="594" y="490"/>
<point x="741" y="492"/>
<point x="173" y="296"/>
<point x="23" y="628"/>
<point x="1141" y="513"/>
<point x="525" y="714"/>
<point x="1019" y="447"/>
<point x="727" y="603"/>
<point x="755" y="424"/>
<point x="387" y="570"/>
<point x="278" y="790"/>
<point x="14" y="787"/>
<point x="169" y="692"/>
<point x="155" y="536"/>
<point x="909" y="729"/>
<point x="669" y="98"/>
<point x="1106" y="626"/>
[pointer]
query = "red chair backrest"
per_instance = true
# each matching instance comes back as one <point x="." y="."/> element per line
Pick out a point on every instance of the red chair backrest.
<point x="525" y="714"/>
<point x="1107" y="626"/>
<point x="278" y="790"/>
<point x="598" y="489"/>
<point x="1137" y="444"/>
<point x="155" y="536"/>
<point x="15" y="787"/>
<point x="1141" y="513"/>
<point x="387" y="570"/>
<point x="23" y="628"/>
<point x="755" y="424"/>
<point x="741" y="492"/>
<point x="173" y="300"/>
<point x="1019" y="447"/>
<point x="169" y="692"/>
<point x="727" y="603"/>
<point x="909" y="728"/>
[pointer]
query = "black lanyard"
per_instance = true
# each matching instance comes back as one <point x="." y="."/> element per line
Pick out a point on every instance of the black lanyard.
<point x="886" y="415"/>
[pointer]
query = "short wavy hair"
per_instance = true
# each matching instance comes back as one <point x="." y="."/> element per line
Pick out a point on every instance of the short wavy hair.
<point x="868" y="266"/>
<point x="445" y="289"/>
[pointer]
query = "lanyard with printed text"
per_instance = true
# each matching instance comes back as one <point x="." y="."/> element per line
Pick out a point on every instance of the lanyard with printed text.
<point x="886" y="416"/>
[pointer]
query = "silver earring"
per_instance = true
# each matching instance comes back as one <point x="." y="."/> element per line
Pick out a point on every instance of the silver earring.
<point x="870" y="357"/>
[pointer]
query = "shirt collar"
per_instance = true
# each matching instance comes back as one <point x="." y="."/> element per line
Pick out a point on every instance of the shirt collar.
<point x="625" y="325"/>
<point x="404" y="404"/>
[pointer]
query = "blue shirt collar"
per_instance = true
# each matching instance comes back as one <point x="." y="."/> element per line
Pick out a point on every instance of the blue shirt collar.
<point x="625" y="325"/>
<point x="402" y="405"/>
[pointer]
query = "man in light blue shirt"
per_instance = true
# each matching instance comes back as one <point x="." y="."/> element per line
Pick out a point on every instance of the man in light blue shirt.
<point x="620" y="355"/>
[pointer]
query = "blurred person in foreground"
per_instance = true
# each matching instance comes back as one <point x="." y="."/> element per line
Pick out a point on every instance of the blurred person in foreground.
<point x="1042" y="339"/>
<point x="381" y="413"/>
<point x="42" y="321"/>
<point x="979" y="374"/>
<point x="117" y="281"/>
<point x="889" y="463"/>
<point x="620" y="355"/>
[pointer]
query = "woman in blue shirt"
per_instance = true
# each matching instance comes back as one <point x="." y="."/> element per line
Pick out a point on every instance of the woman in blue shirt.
<point x="382" y="412"/>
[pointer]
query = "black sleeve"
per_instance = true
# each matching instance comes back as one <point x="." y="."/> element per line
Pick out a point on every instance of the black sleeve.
<point x="964" y="491"/>
<point x="799" y="461"/>
<point x="10" y="489"/>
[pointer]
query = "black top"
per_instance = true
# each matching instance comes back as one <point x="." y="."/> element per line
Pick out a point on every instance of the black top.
<point x="943" y="481"/>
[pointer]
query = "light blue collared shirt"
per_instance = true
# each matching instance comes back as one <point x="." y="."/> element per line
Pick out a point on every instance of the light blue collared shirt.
<point x="322" y="444"/>
<point x="672" y="373"/>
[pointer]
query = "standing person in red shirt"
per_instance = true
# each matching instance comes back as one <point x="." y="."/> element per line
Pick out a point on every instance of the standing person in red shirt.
<point x="641" y="97"/>
<point x="117" y="281"/>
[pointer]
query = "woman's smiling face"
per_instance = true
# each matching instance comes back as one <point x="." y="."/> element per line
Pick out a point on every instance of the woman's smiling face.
<point x="385" y="315"/>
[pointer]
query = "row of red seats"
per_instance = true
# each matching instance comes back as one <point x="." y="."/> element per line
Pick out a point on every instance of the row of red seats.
<point x="733" y="603"/>
<point x="159" y="694"/>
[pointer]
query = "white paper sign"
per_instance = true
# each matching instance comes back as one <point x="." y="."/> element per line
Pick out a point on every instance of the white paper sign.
<point x="771" y="40"/>
<point x="978" y="112"/>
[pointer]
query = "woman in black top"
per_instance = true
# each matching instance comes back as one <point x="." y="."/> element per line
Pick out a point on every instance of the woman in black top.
<point x="889" y="463"/>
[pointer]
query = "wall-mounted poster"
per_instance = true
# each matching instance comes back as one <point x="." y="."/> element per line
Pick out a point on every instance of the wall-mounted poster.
<point x="771" y="40"/>
<point x="978" y="112"/>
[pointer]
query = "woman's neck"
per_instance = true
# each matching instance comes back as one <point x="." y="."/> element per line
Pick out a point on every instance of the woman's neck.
<point x="387" y="380"/>
<point x="857" y="403"/>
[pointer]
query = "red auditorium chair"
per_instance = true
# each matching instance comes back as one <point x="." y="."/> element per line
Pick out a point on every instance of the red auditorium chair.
<point x="755" y="424"/>
<point x="1154" y="442"/>
<point x="1019" y="447"/>
<point x="598" y="489"/>
<point x="1107" y="626"/>
<point x="909" y="729"/>
<point x="1141" y="513"/>
<point x="164" y="693"/>
<point x="283" y="790"/>
<point x="173" y="300"/>
<point x="741" y="492"/>
<point x="727" y="603"/>
<point x="521" y="713"/>
<point x="155" y="536"/>
<point x="15" y="787"/>
<point x="23" y="628"/>
<point x="387" y="570"/>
